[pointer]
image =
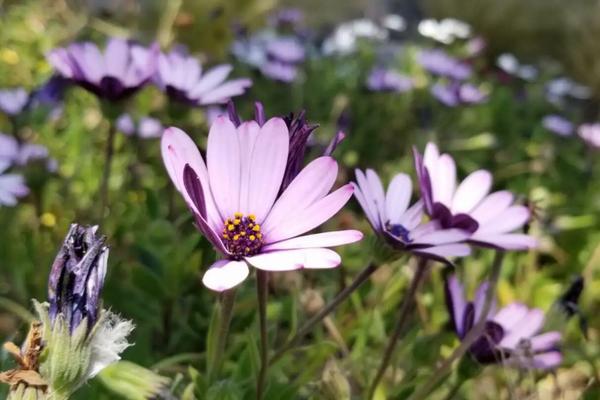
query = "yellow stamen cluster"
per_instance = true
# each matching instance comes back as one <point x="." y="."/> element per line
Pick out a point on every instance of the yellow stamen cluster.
<point x="242" y="235"/>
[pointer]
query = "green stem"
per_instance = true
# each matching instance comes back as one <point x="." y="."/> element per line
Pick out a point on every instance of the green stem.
<point x="226" y="302"/>
<point x="310" y="324"/>
<point x="407" y="305"/>
<point x="475" y="333"/>
<point x="110" y="149"/>
<point x="262" y="281"/>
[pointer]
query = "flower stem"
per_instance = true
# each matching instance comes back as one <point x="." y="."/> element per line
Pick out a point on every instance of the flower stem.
<point x="262" y="281"/>
<point x="475" y="333"/>
<point x="407" y="305"/>
<point x="310" y="324"/>
<point x="226" y="302"/>
<point x="110" y="149"/>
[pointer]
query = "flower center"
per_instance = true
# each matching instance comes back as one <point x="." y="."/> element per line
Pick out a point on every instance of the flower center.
<point x="398" y="231"/>
<point x="242" y="236"/>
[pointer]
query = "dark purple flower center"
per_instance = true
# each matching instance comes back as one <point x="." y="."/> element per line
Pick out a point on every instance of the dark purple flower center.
<point x="398" y="231"/>
<point x="242" y="236"/>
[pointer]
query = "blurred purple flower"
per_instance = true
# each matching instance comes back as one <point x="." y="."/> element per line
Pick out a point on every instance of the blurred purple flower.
<point x="438" y="62"/>
<point x="455" y="93"/>
<point x="509" y="64"/>
<point x="12" y="186"/>
<point x="510" y="336"/>
<point x="50" y="96"/>
<point x="77" y="277"/>
<point x="402" y="226"/>
<point x="558" y="125"/>
<point x="120" y="71"/>
<point x="279" y="71"/>
<point x="490" y="218"/>
<point x="590" y="133"/>
<point x="13" y="101"/>
<point x="21" y="154"/>
<point x="344" y="40"/>
<point x="181" y="77"/>
<point x="387" y="80"/>
<point x="286" y="50"/>
<point x="476" y="46"/>
<point x="287" y="17"/>
<point x="145" y="128"/>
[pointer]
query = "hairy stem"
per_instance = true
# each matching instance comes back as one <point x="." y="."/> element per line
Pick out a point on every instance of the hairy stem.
<point x="475" y="333"/>
<point x="318" y="317"/>
<point x="407" y="304"/>
<point x="226" y="303"/>
<point x="262" y="281"/>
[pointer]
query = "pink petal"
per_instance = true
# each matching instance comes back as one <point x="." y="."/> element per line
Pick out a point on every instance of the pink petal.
<point x="225" y="274"/>
<point x="326" y="239"/>
<point x="211" y="79"/>
<point x="267" y="167"/>
<point x="117" y="55"/>
<point x="288" y="260"/>
<point x="377" y="193"/>
<point x="511" y="219"/>
<point x="444" y="236"/>
<point x="375" y="212"/>
<point x="372" y="215"/>
<point x="247" y="134"/>
<point x="300" y="221"/>
<point x="479" y="302"/>
<point x="508" y="241"/>
<point x="458" y="302"/>
<point x="492" y="205"/>
<point x="178" y="149"/>
<point x="548" y="360"/>
<point x="471" y="191"/>
<point x="413" y="216"/>
<point x="528" y="326"/>
<point x="398" y="196"/>
<point x="444" y="181"/>
<point x="223" y="158"/>
<point x="225" y="92"/>
<point x="446" y="250"/>
<point x="545" y="341"/>
<point x="510" y="315"/>
<point x="311" y="184"/>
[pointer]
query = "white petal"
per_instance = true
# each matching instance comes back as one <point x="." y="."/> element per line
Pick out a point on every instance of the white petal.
<point x="288" y="260"/>
<point x="225" y="274"/>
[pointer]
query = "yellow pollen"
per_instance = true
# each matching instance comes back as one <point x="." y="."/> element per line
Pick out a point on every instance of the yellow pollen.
<point x="238" y="215"/>
<point x="252" y="217"/>
<point x="252" y="237"/>
<point x="259" y="235"/>
<point x="225" y="236"/>
<point x="256" y="228"/>
<point x="247" y="249"/>
<point x="236" y="221"/>
<point x="236" y="237"/>
<point x="230" y="227"/>
<point x="243" y="233"/>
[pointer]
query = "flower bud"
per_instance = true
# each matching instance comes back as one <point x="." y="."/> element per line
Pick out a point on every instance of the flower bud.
<point x="334" y="385"/>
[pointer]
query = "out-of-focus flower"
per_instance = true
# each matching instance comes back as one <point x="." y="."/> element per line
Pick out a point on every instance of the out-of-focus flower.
<point x="492" y="219"/>
<point x="402" y="226"/>
<point x="558" y="125"/>
<point x="476" y="46"/>
<point x="558" y="89"/>
<point x="445" y="31"/>
<point x="75" y="327"/>
<point x="12" y="186"/>
<point x="279" y="71"/>
<point x="287" y="17"/>
<point x="455" y="93"/>
<point x="237" y="204"/>
<point x="49" y="96"/>
<point x="286" y="50"/>
<point x="120" y="71"/>
<point x="394" y="22"/>
<point x="438" y="62"/>
<point x="590" y="133"/>
<point x="181" y="77"/>
<point x="511" y="335"/>
<point x="13" y="101"/>
<point x="387" y="80"/>
<point x="509" y="64"/>
<point x="345" y="38"/>
<point x="145" y="128"/>
<point x="21" y="154"/>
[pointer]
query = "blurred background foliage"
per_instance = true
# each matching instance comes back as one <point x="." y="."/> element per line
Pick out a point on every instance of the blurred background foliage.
<point x="157" y="257"/>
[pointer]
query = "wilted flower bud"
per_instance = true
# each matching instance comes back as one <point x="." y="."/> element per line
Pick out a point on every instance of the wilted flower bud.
<point x="75" y="338"/>
<point x="334" y="385"/>
<point x="134" y="382"/>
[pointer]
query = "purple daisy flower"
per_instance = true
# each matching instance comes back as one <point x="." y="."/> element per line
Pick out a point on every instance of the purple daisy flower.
<point x="492" y="219"/>
<point x="455" y="93"/>
<point x="12" y="186"/>
<point x="181" y="77"/>
<point x="402" y="226"/>
<point x="21" y="154"/>
<point x="145" y="128"/>
<point x="120" y="71"/>
<point x="387" y="80"/>
<point x="511" y="336"/>
<point x="13" y="101"/>
<point x="236" y="201"/>
<point x="590" y="133"/>
<point x="287" y="17"/>
<point x="279" y="71"/>
<point x="438" y="62"/>
<point x="286" y="50"/>
<point x="558" y="125"/>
